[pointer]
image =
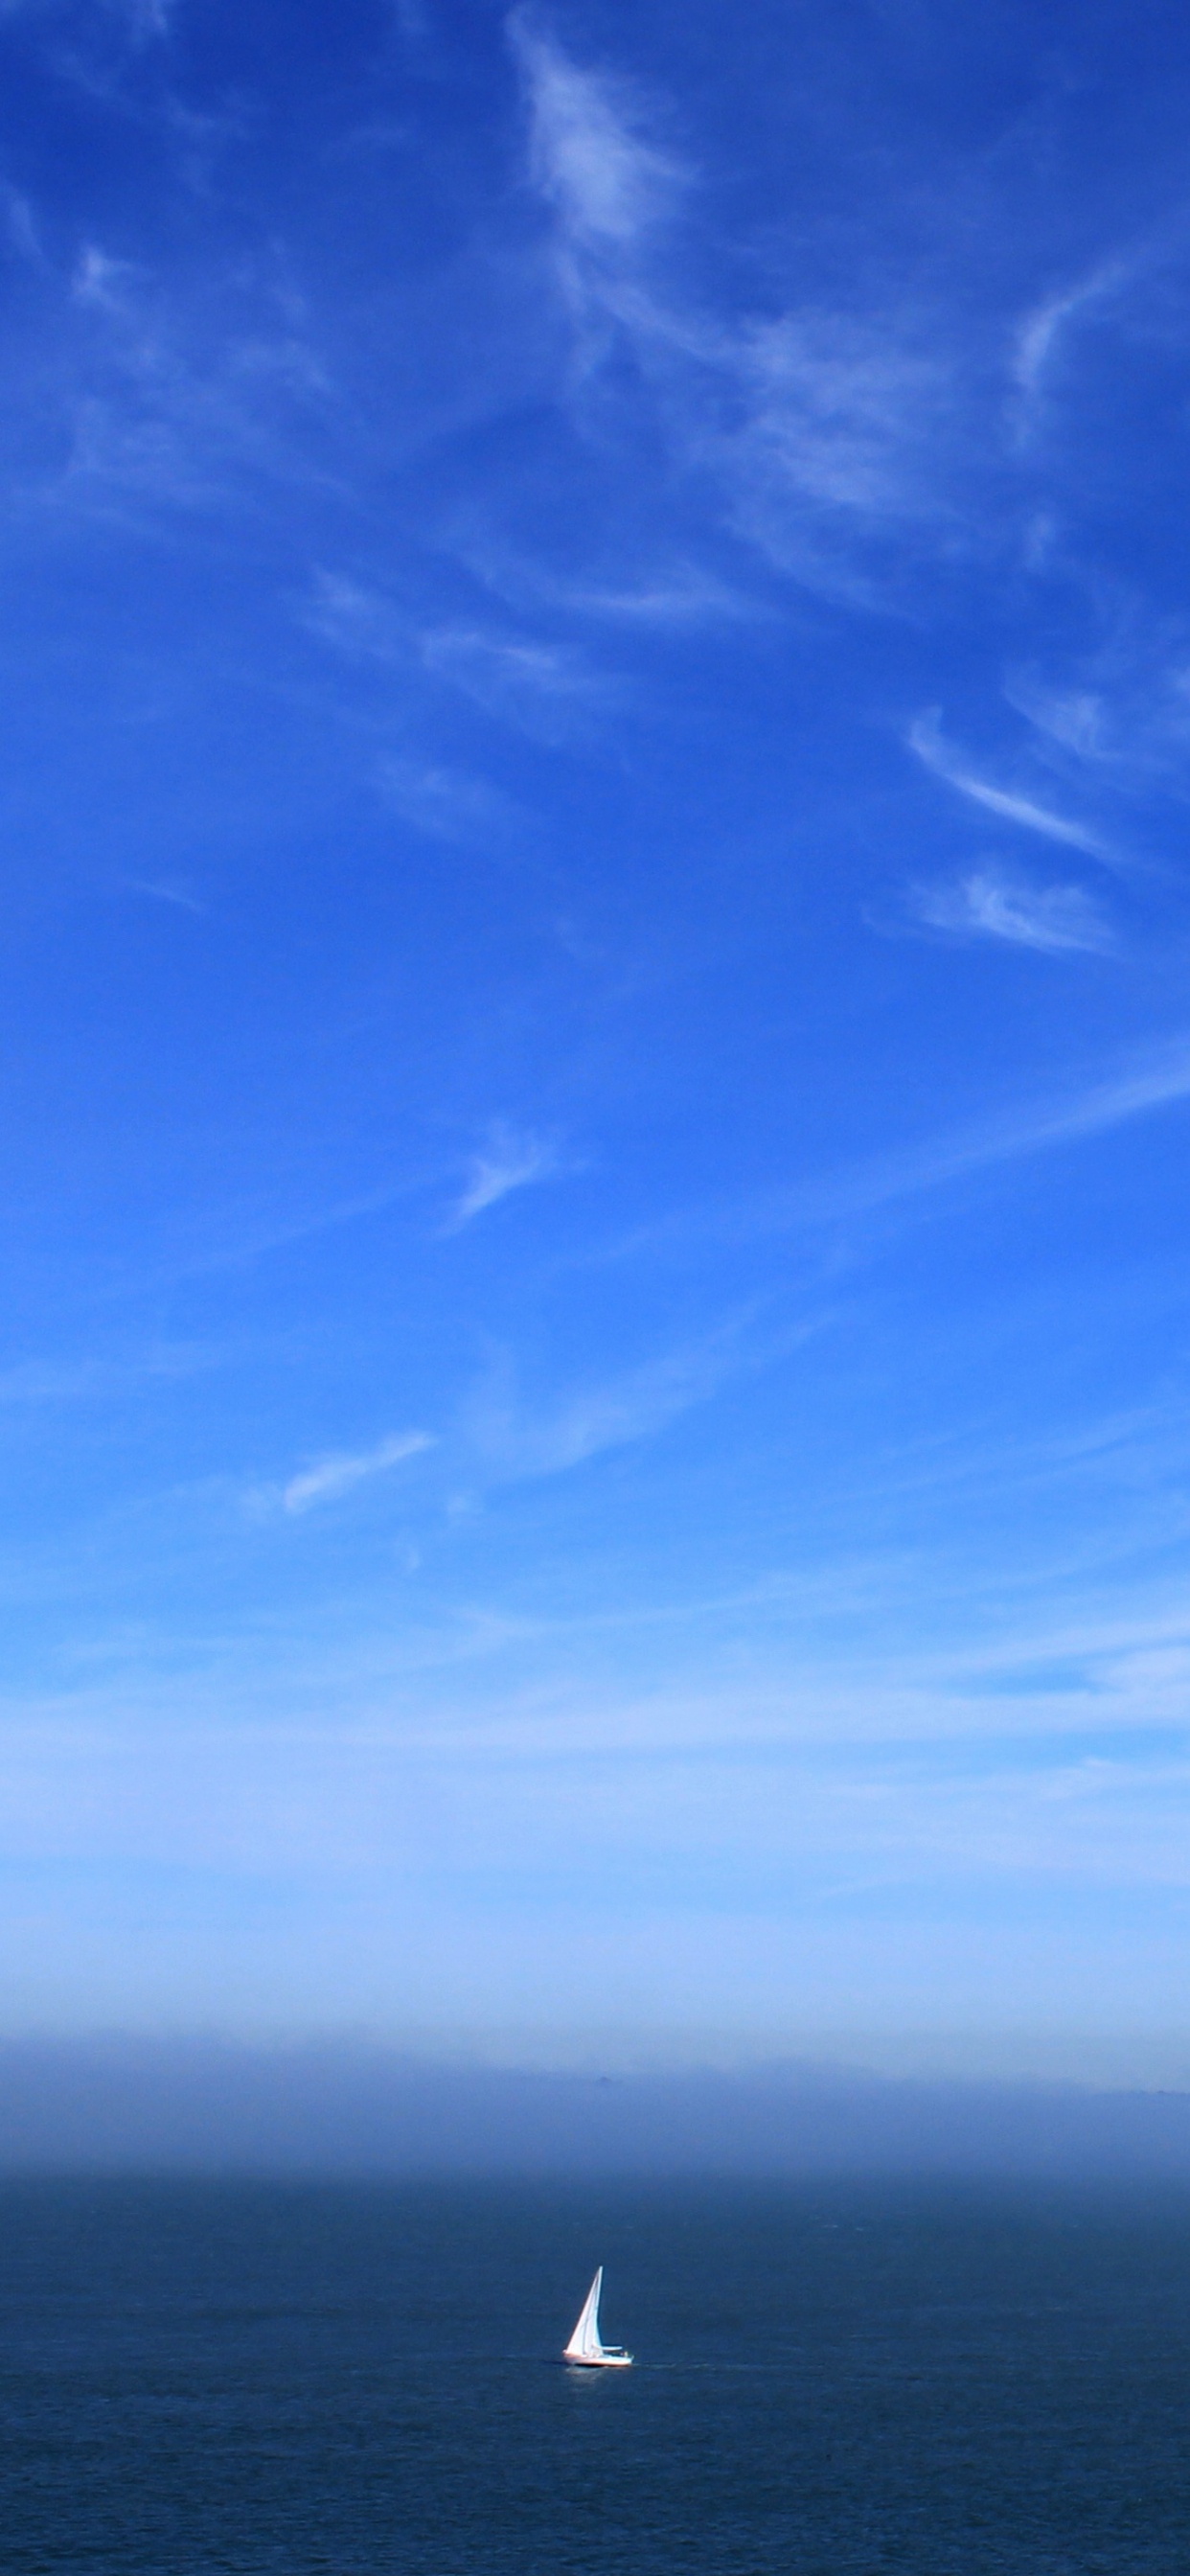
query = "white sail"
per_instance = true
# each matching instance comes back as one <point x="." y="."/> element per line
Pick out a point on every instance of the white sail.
<point x="585" y="2344"/>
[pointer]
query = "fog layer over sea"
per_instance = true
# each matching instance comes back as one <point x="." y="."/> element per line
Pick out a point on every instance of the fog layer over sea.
<point x="830" y="2378"/>
<point x="128" y="2103"/>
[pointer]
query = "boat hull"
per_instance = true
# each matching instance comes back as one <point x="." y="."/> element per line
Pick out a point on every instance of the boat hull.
<point x="598" y="2360"/>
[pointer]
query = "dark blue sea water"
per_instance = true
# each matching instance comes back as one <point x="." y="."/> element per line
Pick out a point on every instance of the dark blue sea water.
<point x="289" y="2378"/>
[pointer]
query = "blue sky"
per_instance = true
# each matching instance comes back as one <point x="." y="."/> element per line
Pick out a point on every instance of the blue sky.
<point x="595" y="1373"/>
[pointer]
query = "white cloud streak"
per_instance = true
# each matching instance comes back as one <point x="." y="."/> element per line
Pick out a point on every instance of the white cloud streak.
<point x="1159" y="1081"/>
<point x="356" y="620"/>
<point x="927" y="742"/>
<point x="1043" y="327"/>
<point x="1156" y="1080"/>
<point x="161" y="890"/>
<point x="448" y="805"/>
<point x="21" y="229"/>
<point x="542" y="689"/>
<point x="685" y="596"/>
<point x="106" y="284"/>
<point x="1076" y="719"/>
<point x="1126" y="709"/>
<point x="142" y="18"/>
<point x="36" y="1382"/>
<point x="332" y="1477"/>
<point x="513" y="1442"/>
<point x="990" y="904"/>
<point x="172" y="401"/>
<point x="811" y="421"/>
<point x="837" y="404"/>
<point x="587" y="156"/>
<point x="509" y="1161"/>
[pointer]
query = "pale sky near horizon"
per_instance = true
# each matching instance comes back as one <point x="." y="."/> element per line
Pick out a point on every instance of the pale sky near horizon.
<point x="596" y="1368"/>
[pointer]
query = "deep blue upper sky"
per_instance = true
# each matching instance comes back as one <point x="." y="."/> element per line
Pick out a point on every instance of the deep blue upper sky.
<point x="595" y="1034"/>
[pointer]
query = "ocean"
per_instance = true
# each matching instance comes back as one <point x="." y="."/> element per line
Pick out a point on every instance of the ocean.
<point x="833" y="2380"/>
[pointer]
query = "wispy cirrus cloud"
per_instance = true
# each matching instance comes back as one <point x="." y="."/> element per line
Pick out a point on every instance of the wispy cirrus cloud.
<point x="1157" y="1079"/>
<point x="806" y="420"/>
<point x="927" y="741"/>
<point x="813" y="404"/>
<point x="108" y="284"/>
<point x="529" y="680"/>
<point x="21" y="232"/>
<point x="142" y="19"/>
<point x="1124" y="710"/>
<point x="676" y="593"/>
<point x="991" y="903"/>
<point x="840" y="411"/>
<point x="614" y="1415"/>
<point x="168" y="891"/>
<point x="38" y="1382"/>
<point x="512" y="1440"/>
<point x="1075" y="718"/>
<point x="677" y="596"/>
<point x="450" y="805"/>
<point x="653" y="589"/>
<point x="328" y="1479"/>
<point x="355" y="617"/>
<point x="590" y="154"/>
<point x="1042" y="328"/>
<point x="174" y="399"/>
<point x="544" y="689"/>
<point x="149" y="17"/>
<point x="511" y="1160"/>
<point x="538" y="685"/>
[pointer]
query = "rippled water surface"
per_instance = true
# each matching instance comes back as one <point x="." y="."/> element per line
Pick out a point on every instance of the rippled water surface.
<point x="294" y="2378"/>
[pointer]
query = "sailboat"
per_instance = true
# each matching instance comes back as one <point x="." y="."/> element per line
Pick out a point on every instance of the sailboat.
<point x="585" y="2346"/>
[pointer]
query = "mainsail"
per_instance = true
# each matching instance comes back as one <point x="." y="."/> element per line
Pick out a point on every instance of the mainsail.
<point x="584" y="2344"/>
